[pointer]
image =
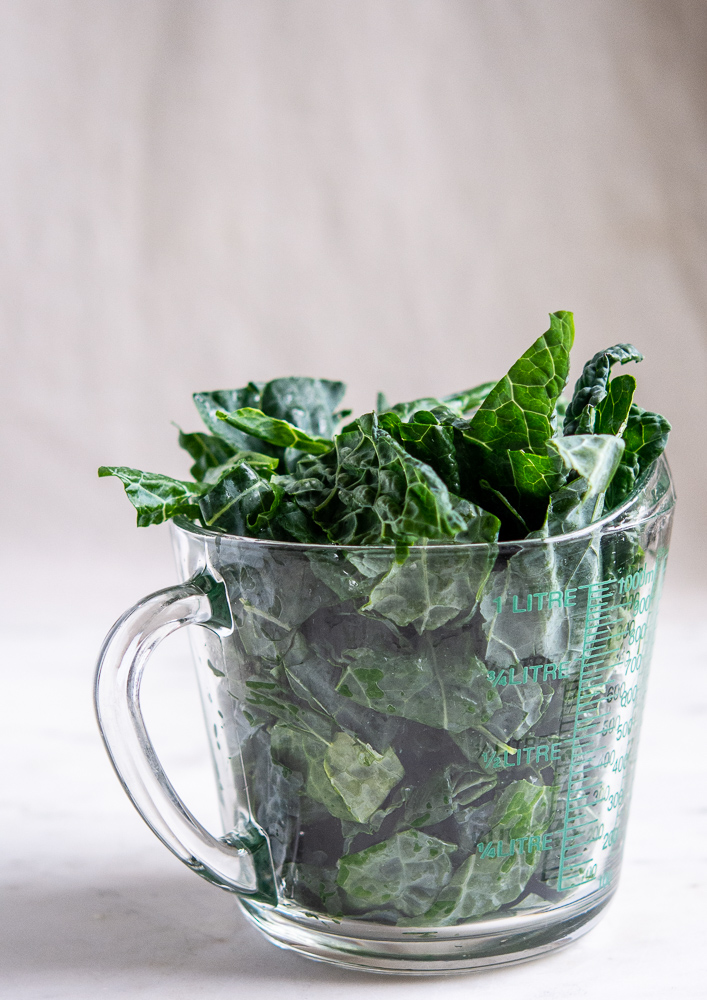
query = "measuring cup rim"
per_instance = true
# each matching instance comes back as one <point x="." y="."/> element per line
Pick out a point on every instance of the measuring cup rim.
<point x="602" y="526"/>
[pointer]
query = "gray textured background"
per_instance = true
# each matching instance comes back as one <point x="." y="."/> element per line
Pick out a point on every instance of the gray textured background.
<point x="194" y="193"/>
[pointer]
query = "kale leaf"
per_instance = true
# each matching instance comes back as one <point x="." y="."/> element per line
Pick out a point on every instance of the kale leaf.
<point x="517" y="417"/>
<point x="405" y="872"/>
<point x="645" y="437"/>
<point x="434" y="585"/>
<point x="207" y="450"/>
<point x="242" y="503"/>
<point x="438" y="681"/>
<point x="274" y="431"/>
<point x="157" y="498"/>
<point x="591" y="387"/>
<point x="493" y="875"/>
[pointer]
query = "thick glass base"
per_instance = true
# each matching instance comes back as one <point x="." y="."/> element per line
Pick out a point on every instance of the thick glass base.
<point x="357" y="944"/>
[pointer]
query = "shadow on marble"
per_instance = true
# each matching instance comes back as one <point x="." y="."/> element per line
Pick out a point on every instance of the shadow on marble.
<point x="169" y="925"/>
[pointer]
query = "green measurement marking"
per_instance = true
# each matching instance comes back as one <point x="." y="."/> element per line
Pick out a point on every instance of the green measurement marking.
<point x="599" y="621"/>
<point x="603" y="615"/>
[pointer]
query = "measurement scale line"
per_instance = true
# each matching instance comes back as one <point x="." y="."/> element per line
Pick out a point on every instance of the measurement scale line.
<point x="582" y="793"/>
<point x="588" y="822"/>
<point x="592" y="722"/>
<point x="577" y="867"/>
<point x="579" y="827"/>
<point x="577" y="859"/>
<point x="577" y="864"/>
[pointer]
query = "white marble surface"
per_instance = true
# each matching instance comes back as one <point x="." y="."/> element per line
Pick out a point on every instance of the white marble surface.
<point x="94" y="906"/>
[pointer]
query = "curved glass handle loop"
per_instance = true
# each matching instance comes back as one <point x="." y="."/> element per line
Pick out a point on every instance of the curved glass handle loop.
<point x="232" y="863"/>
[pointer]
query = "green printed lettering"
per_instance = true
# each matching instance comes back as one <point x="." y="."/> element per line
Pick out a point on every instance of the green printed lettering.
<point x="547" y="841"/>
<point x="533" y="844"/>
<point x="499" y="601"/>
<point x="516" y="609"/>
<point x="512" y="677"/>
<point x="540" y="599"/>
<point x="563" y="670"/>
<point x="542" y="751"/>
<point x="570" y="597"/>
<point x="499" y="851"/>
<point x="528" y="754"/>
<point x="554" y="599"/>
<point x="535" y="672"/>
<point x="550" y="672"/>
<point x="555" y="752"/>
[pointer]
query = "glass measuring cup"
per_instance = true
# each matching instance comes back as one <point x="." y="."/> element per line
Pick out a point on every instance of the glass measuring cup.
<point x="422" y="767"/>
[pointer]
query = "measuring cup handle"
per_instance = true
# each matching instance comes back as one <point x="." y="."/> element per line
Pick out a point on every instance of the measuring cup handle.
<point x="231" y="863"/>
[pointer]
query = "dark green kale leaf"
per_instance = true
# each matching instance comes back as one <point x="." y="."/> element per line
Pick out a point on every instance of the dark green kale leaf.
<point x="439" y="681"/>
<point x="207" y="450"/>
<point x="440" y="796"/>
<point x="274" y="795"/>
<point x="517" y="416"/>
<point x="242" y="503"/>
<point x="591" y="387"/>
<point x="362" y="776"/>
<point x="271" y="596"/>
<point x="264" y="465"/>
<point x="308" y="403"/>
<point x="594" y="458"/>
<point x="313" y="885"/>
<point x="479" y="527"/>
<point x="370" y="491"/>
<point x="348" y="777"/>
<point x="313" y="680"/>
<point x="435" y="585"/>
<point x="521" y="707"/>
<point x="157" y="498"/>
<point x="207" y="403"/>
<point x="612" y="412"/>
<point x="426" y="439"/>
<point x="351" y="574"/>
<point x="486" y="881"/>
<point x="517" y="413"/>
<point x="645" y="437"/>
<point x="533" y="478"/>
<point x="405" y="872"/>
<point x="273" y="431"/>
